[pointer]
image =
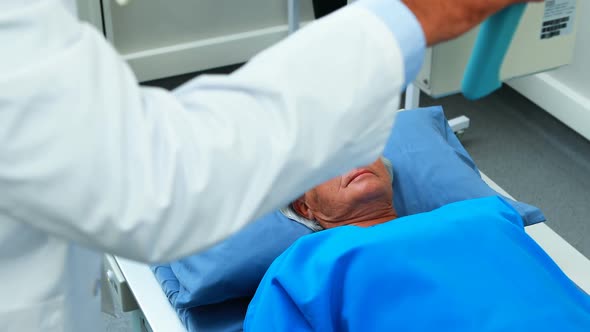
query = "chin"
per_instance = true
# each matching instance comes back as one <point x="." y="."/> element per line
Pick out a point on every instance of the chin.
<point x="370" y="189"/>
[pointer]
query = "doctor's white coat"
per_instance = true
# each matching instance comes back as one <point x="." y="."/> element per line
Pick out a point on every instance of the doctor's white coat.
<point x="90" y="160"/>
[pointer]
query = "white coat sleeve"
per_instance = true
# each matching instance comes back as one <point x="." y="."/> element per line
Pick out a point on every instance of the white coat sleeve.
<point x="89" y="156"/>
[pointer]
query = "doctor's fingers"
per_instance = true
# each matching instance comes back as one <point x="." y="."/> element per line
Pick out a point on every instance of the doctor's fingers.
<point x="442" y="20"/>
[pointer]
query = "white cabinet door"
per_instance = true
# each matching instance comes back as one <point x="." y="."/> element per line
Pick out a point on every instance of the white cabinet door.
<point x="161" y="38"/>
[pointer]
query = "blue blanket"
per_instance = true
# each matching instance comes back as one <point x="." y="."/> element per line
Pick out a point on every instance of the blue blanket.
<point x="468" y="266"/>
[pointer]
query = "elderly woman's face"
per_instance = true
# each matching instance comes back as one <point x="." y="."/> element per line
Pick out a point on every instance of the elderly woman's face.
<point x="351" y="195"/>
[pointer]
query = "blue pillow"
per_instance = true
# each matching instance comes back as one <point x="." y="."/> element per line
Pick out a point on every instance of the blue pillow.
<point x="431" y="169"/>
<point x="234" y="267"/>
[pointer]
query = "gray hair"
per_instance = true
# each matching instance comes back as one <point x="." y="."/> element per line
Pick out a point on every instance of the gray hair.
<point x="290" y="213"/>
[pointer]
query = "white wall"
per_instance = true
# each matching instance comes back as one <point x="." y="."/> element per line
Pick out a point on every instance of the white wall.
<point x="565" y="92"/>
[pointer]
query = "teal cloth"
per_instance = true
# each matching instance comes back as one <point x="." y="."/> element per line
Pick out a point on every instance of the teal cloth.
<point x="482" y="74"/>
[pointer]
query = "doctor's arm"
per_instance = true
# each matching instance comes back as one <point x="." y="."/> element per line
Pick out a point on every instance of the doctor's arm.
<point x="89" y="156"/>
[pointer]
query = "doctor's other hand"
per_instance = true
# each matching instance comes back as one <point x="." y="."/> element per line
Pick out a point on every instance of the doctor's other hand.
<point x="442" y="20"/>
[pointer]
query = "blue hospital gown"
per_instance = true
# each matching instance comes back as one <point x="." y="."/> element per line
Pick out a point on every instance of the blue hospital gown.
<point x="468" y="266"/>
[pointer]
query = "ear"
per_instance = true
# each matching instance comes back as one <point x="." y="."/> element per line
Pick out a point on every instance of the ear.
<point x="301" y="207"/>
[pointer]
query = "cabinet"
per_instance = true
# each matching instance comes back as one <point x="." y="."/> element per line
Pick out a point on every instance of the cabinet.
<point x="166" y="38"/>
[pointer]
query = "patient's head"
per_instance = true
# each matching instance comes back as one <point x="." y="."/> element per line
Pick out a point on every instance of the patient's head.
<point x="362" y="197"/>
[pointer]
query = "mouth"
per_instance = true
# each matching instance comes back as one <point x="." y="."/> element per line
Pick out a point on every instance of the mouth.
<point x="358" y="174"/>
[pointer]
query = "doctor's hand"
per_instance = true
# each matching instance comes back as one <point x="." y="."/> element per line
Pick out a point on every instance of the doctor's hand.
<point x="442" y="20"/>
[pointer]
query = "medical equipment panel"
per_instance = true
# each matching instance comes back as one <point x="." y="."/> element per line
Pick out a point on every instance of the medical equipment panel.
<point x="544" y="40"/>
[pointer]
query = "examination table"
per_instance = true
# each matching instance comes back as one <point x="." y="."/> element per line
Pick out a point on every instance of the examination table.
<point x="136" y="289"/>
